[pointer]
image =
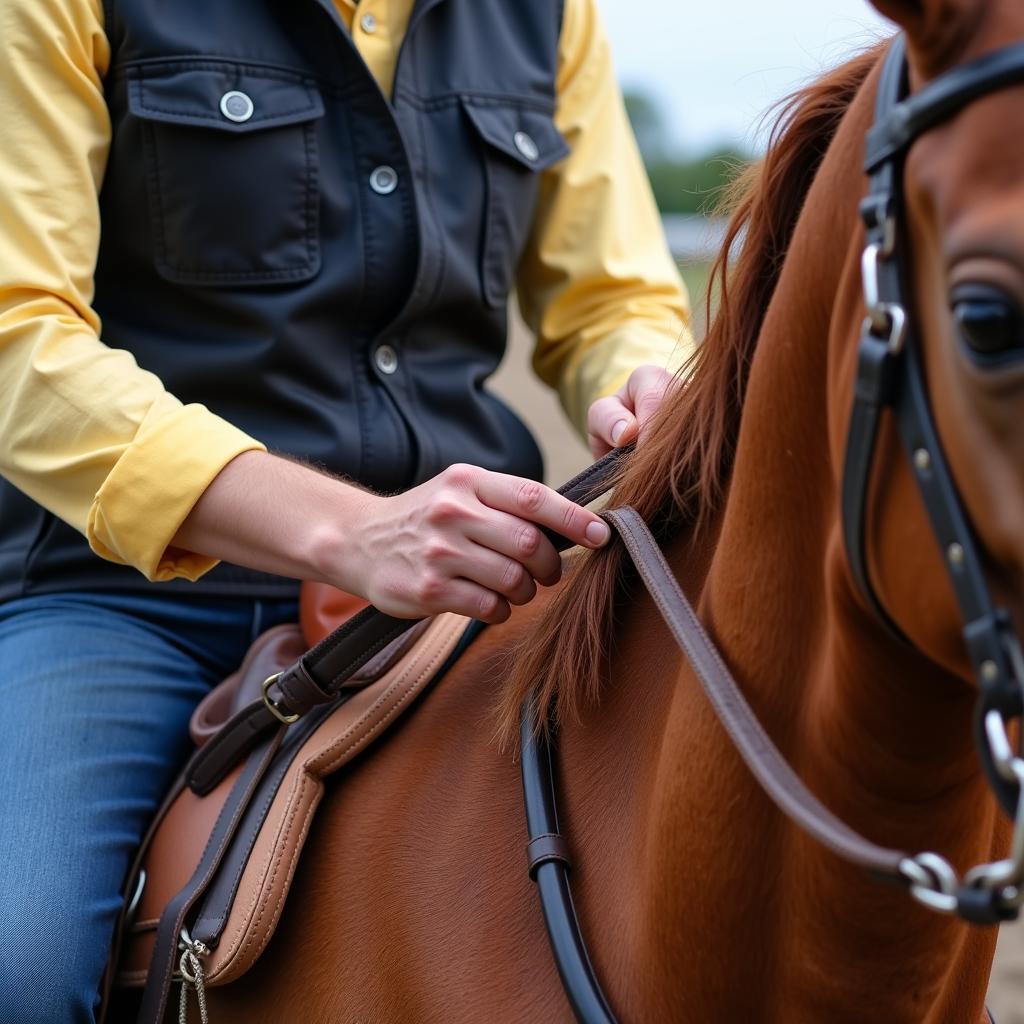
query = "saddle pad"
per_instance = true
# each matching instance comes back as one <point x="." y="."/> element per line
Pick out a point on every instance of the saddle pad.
<point x="245" y="902"/>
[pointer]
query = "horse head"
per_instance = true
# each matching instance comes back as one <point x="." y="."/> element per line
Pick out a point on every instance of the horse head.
<point x="963" y="251"/>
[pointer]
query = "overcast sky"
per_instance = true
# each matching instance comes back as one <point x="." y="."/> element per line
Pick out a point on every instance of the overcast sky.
<point x="716" y="65"/>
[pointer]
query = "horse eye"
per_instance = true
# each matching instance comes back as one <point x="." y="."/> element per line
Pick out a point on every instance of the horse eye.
<point x="988" y="319"/>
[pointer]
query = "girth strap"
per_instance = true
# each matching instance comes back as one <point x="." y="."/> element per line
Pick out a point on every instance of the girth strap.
<point x="172" y="921"/>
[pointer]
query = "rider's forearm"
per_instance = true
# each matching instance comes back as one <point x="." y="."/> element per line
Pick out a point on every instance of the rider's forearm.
<point x="467" y="541"/>
<point x="267" y="513"/>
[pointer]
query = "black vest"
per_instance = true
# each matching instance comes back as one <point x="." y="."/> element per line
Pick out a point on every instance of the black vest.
<point x="325" y="269"/>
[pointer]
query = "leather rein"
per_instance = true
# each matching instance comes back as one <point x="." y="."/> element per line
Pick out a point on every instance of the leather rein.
<point x="888" y="377"/>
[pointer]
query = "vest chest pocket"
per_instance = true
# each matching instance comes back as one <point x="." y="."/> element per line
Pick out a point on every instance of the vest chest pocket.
<point x="231" y="171"/>
<point x="517" y="144"/>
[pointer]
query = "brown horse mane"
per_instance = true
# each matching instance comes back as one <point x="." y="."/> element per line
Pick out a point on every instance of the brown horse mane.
<point x="678" y="477"/>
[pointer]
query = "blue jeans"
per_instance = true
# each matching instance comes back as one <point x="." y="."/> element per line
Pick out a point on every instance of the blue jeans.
<point x="96" y="691"/>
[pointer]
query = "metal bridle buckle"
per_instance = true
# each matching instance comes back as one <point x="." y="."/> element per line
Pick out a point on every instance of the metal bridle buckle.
<point x="272" y="705"/>
<point x="886" y="320"/>
<point x="934" y="882"/>
<point x="1006" y="875"/>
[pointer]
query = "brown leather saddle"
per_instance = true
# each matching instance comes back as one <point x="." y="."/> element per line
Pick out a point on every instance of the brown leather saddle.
<point x="238" y="906"/>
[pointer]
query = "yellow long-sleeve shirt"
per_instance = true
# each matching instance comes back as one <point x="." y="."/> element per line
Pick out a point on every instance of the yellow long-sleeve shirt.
<point x="97" y="440"/>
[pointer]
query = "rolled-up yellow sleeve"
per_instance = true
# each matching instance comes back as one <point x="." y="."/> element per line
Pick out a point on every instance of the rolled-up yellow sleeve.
<point x="84" y="430"/>
<point x="597" y="284"/>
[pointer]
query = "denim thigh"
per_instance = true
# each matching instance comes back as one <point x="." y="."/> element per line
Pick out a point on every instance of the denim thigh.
<point x="96" y="691"/>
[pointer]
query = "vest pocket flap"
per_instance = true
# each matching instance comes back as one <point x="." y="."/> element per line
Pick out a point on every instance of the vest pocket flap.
<point x="231" y="97"/>
<point x="526" y="135"/>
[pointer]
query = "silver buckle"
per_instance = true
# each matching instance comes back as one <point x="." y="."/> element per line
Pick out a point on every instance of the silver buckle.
<point x="886" y="320"/>
<point x="933" y="880"/>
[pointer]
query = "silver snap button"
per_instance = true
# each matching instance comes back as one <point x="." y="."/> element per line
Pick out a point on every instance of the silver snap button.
<point x="386" y="359"/>
<point x="526" y="145"/>
<point x="236" y="106"/>
<point x="384" y="180"/>
<point x="368" y="23"/>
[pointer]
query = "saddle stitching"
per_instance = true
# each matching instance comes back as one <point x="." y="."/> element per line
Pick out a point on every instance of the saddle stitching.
<point x="272" y="863"/>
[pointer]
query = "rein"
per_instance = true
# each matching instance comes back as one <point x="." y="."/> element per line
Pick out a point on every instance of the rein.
<point x="889" y="376"/>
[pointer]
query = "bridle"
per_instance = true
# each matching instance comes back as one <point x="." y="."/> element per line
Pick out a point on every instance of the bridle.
<point x="889" y="377"/>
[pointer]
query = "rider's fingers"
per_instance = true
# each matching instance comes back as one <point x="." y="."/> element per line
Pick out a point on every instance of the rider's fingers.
<point x="465" y="597"/>
<point x="610" y="424"/>
<point x="519" y="540"/>
<point x="527" y="499"/>
<point x="645" y="391"/>
<point x="498" y="573"/>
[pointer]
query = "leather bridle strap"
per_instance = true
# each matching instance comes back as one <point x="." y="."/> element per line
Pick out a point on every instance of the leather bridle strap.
<point x="548" y="865"/>
<point x="939" y="100"/>
<point x="762" y="757"/>
<point x="881" y="338"/>
<point x="551" y="870"/>
<point x="319" y="676"/>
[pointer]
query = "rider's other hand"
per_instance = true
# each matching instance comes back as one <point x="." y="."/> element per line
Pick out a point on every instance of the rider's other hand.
<point x="467" y="541"/>
<point x="620" y="418"/>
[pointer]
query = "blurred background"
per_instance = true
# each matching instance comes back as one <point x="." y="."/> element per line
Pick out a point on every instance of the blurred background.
<point x="698" y="79"/>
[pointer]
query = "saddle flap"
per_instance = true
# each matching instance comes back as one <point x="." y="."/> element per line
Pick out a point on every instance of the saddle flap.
<point x="242" y="906"/>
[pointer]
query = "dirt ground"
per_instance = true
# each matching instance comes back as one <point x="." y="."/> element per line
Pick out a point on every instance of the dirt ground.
<point x="565" y="455"/>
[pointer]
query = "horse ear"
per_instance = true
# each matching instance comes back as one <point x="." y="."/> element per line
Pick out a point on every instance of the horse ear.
<point x="931" y="25"/>
<point x="910" y="15"/>
<point x="900" y="11"/>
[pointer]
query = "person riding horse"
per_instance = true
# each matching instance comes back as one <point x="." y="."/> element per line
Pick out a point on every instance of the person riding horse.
<point x="812" y="692"/>
<point x="254" y="269"/>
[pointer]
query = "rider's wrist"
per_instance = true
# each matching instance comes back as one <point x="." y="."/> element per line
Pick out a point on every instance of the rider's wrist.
<point x="337" y="553"/>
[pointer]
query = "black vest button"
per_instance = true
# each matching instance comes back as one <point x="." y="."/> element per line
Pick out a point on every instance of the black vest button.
<point x="236" y="106"/>
<point x="386" y="359"/>
<point x="384" y="180"/>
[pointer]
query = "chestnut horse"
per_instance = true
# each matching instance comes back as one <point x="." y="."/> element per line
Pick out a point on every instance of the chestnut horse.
<point x="699" y="900"/>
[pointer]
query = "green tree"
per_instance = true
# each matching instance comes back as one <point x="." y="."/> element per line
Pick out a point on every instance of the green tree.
<point x="682" y="184"/>
<point x="695" y="185"/>
<point x="648" y="121"/>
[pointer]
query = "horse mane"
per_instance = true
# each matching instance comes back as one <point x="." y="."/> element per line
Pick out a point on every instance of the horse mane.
<point x="678" y="477"/>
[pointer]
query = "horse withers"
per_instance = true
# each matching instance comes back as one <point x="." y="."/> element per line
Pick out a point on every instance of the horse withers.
<point x="700" y="901"/>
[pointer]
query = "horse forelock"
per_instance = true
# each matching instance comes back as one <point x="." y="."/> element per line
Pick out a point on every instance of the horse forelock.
<point x="679" y="476"/>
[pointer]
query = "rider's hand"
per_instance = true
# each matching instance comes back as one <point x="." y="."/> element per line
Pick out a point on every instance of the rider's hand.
<point x="466" y="541"/>
<point x="620" y="418"/>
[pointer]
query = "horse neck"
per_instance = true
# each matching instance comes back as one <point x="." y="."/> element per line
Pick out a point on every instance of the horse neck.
<point x="880" y="734"/>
